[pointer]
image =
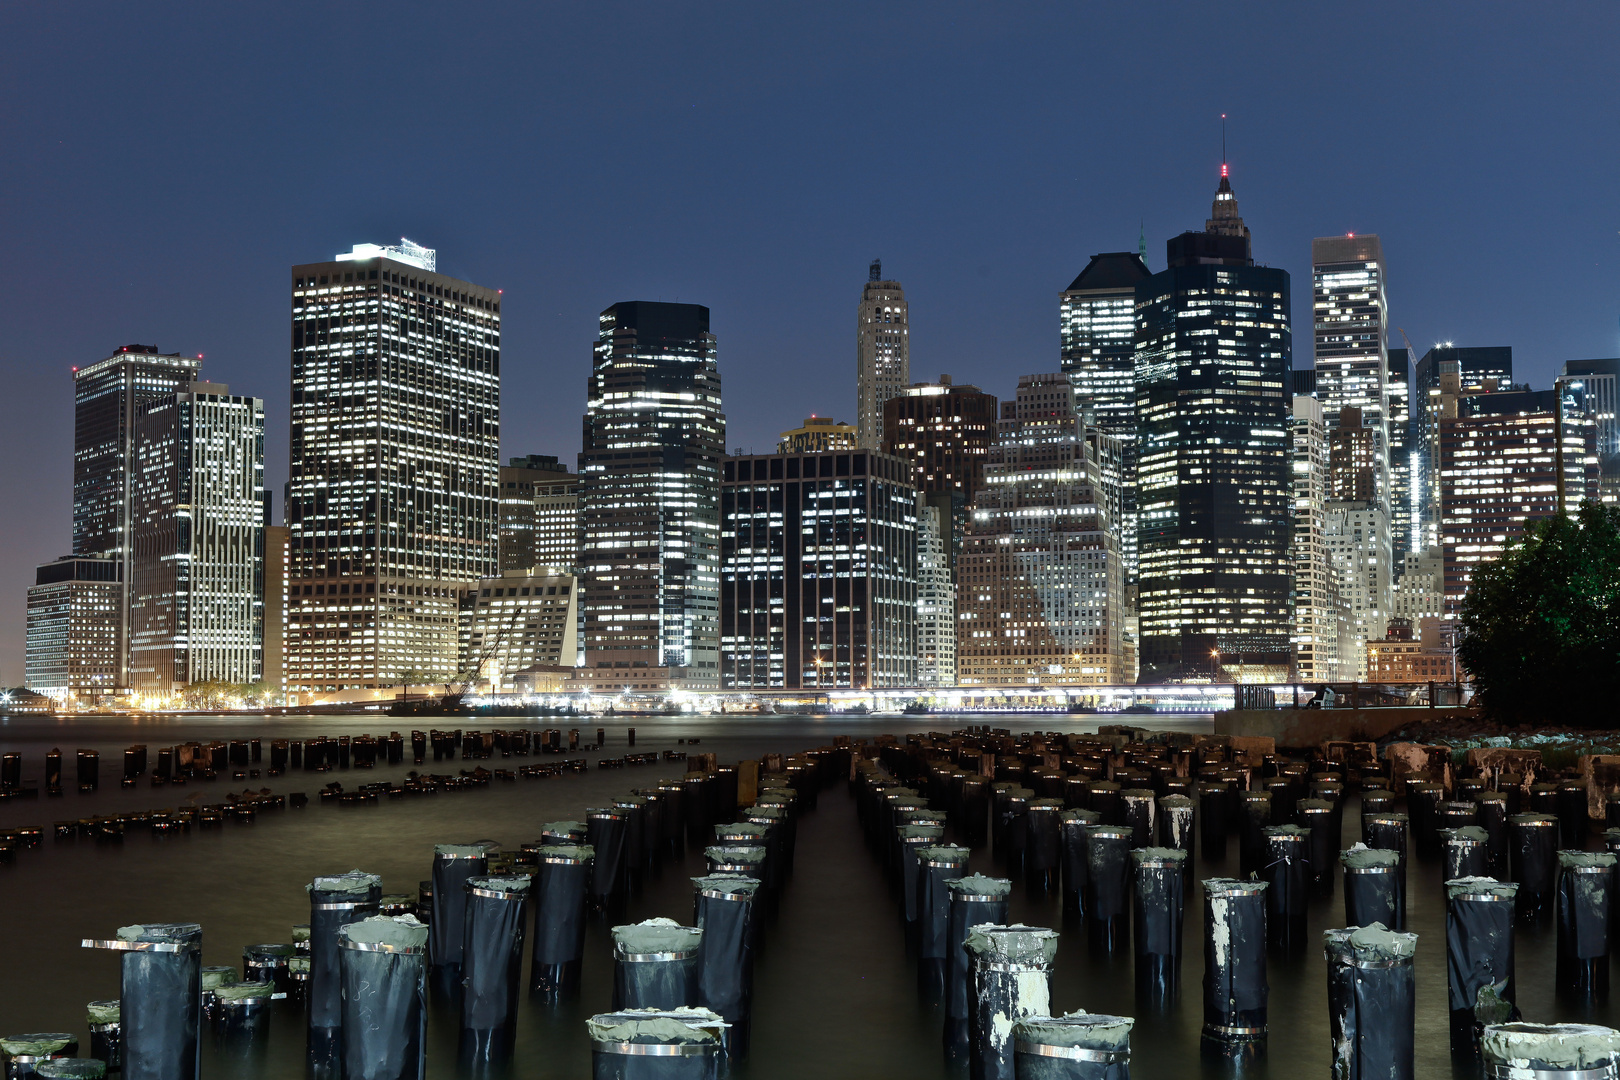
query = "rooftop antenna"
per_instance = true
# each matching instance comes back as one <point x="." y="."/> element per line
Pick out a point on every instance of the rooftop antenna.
<point x="875" y="271"/>
<point x="1223" y="146"/>
<point x="1141" y="239"/>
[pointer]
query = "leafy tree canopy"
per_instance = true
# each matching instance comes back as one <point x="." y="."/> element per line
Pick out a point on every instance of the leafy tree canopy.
<point x="1540" y="629"/>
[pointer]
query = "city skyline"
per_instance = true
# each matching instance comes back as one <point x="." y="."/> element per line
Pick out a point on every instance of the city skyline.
<point x="777" y="247"/>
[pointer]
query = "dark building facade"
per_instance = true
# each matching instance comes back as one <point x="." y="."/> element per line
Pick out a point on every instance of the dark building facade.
<point x="649" y="560"/>
<point x="945" y="432"/>
<point x="818" y="572"/>
<point x="1398" y="388"/>
<point x="539" y="514"/>
<point x="1213" y="364"/>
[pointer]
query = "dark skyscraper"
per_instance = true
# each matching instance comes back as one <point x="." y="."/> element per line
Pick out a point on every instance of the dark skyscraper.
<point x="107" y="399"/>
<point x="649" y="555"/>
<point x="818" y="571"/>
<point x="945" y="431"/>
<point x="1213" y="357"/>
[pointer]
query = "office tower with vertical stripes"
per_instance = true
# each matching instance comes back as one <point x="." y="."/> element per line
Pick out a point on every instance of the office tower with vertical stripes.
<point x="197" y="557"/>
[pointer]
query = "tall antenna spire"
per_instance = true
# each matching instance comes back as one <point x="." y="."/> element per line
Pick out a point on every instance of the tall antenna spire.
<point x="875" y="271"/>
<point x="1141" y="240"/>
<point x="1223" y="146"/>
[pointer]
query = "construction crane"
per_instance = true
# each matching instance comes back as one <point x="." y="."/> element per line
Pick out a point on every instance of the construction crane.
<point x="1412" y="353"/>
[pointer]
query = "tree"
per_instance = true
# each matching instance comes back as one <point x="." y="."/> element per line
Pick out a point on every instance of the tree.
<point x="1540" y="628"/>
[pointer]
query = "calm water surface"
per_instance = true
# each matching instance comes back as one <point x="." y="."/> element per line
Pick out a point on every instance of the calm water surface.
<point x="835" y="992"/>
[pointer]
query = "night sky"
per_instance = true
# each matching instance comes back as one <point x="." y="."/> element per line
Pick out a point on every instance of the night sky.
<point x="163" y="165"/>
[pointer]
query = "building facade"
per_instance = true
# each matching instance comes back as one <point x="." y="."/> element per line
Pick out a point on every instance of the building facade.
<point x="1403" y="523"/>
<point x="1319" y="609"/>
<point x="654" y="436"/>
<point x="1444" y="375"/>
<point x="936" y="602"/>
<point x="107" y="398"/>
<point x="882" y="353"/>
<point x="75" y="640"/>
<point x="1097" y="330"/>
<point x="196" y="594"/>
<point x="1498" y="472"/>
<point x="1350" y="318"/>
<point x="539" y="514"/>
<point x="1399" y="658"/>
<point x="817" y="435"/>
<point x="1357" y="539"/>
<point x="393" y="496"/>
<point x="1213" y="369"/>
<point x="818" y="569"/>
<point x="1040" y="594"/>
<point x="517" y="622"/>
<point x="275" y="605"/>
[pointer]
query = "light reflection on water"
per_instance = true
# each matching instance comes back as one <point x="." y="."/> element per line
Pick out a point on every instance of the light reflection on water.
<point x="835" y="992"/>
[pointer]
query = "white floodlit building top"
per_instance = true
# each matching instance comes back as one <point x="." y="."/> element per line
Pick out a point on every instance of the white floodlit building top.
<point x="416" y="255"/>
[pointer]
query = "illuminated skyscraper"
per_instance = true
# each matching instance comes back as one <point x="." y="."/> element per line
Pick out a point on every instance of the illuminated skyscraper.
<point x="107" y="398"/>
<point x="1213" y="359"/>
<point x="1498" y="468"/>
<point x="818" y="566"/>
<point x="654" y="434"/>
<point x="936" y="602"/>
<point x="882" y="353"/>
<point x="1398" y="410"/>
<point x="1320" y="613"/>
<point x="539" y="514"/>
<point x="1097" y="326"/>
<point x="1040" y="593"/>
<point x="393" y="493"/>
<point x="1440" y="380"/>
<point x="196" y="592"/>
<point x="75" y="650"/>
<point x="1351" y="320"/>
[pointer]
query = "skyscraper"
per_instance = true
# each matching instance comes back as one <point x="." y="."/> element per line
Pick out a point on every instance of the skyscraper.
<point x="882" y="353"/>
<point x="1403" y="524"/>
<point x="944" y="431"/>
<point x="654" y="435"/>
<point x="1351" y="321"/>
<point x="1353" y="458"/>
<point x="1316" y="593"/>
<point x="539" y="514"/>
<point x="1498" y="472"/>
<point x="1097" y="326"/>
<point x="393" y="496"/>
<point x="1440" y="380"/>
<point x="936" y="602"/>
<point x="1213" y="360"/>
<point x="196" y="591"/>
<point x="75" y="641"/>
<point x="818" y="561"/>
<point x="107" y="398"/>
<point x="1040" y="591"/>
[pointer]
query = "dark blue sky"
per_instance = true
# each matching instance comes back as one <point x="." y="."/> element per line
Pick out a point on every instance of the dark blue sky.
<point x="162" y="165"/>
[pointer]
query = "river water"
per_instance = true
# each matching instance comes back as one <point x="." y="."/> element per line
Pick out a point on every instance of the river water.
<point x="835" y="992"/>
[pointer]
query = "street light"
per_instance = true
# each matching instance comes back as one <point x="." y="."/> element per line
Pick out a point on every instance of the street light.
<point x="1215" y="664"/>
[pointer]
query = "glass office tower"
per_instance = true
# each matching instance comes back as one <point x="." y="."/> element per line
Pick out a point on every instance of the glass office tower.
<point x="649" y="557"/>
